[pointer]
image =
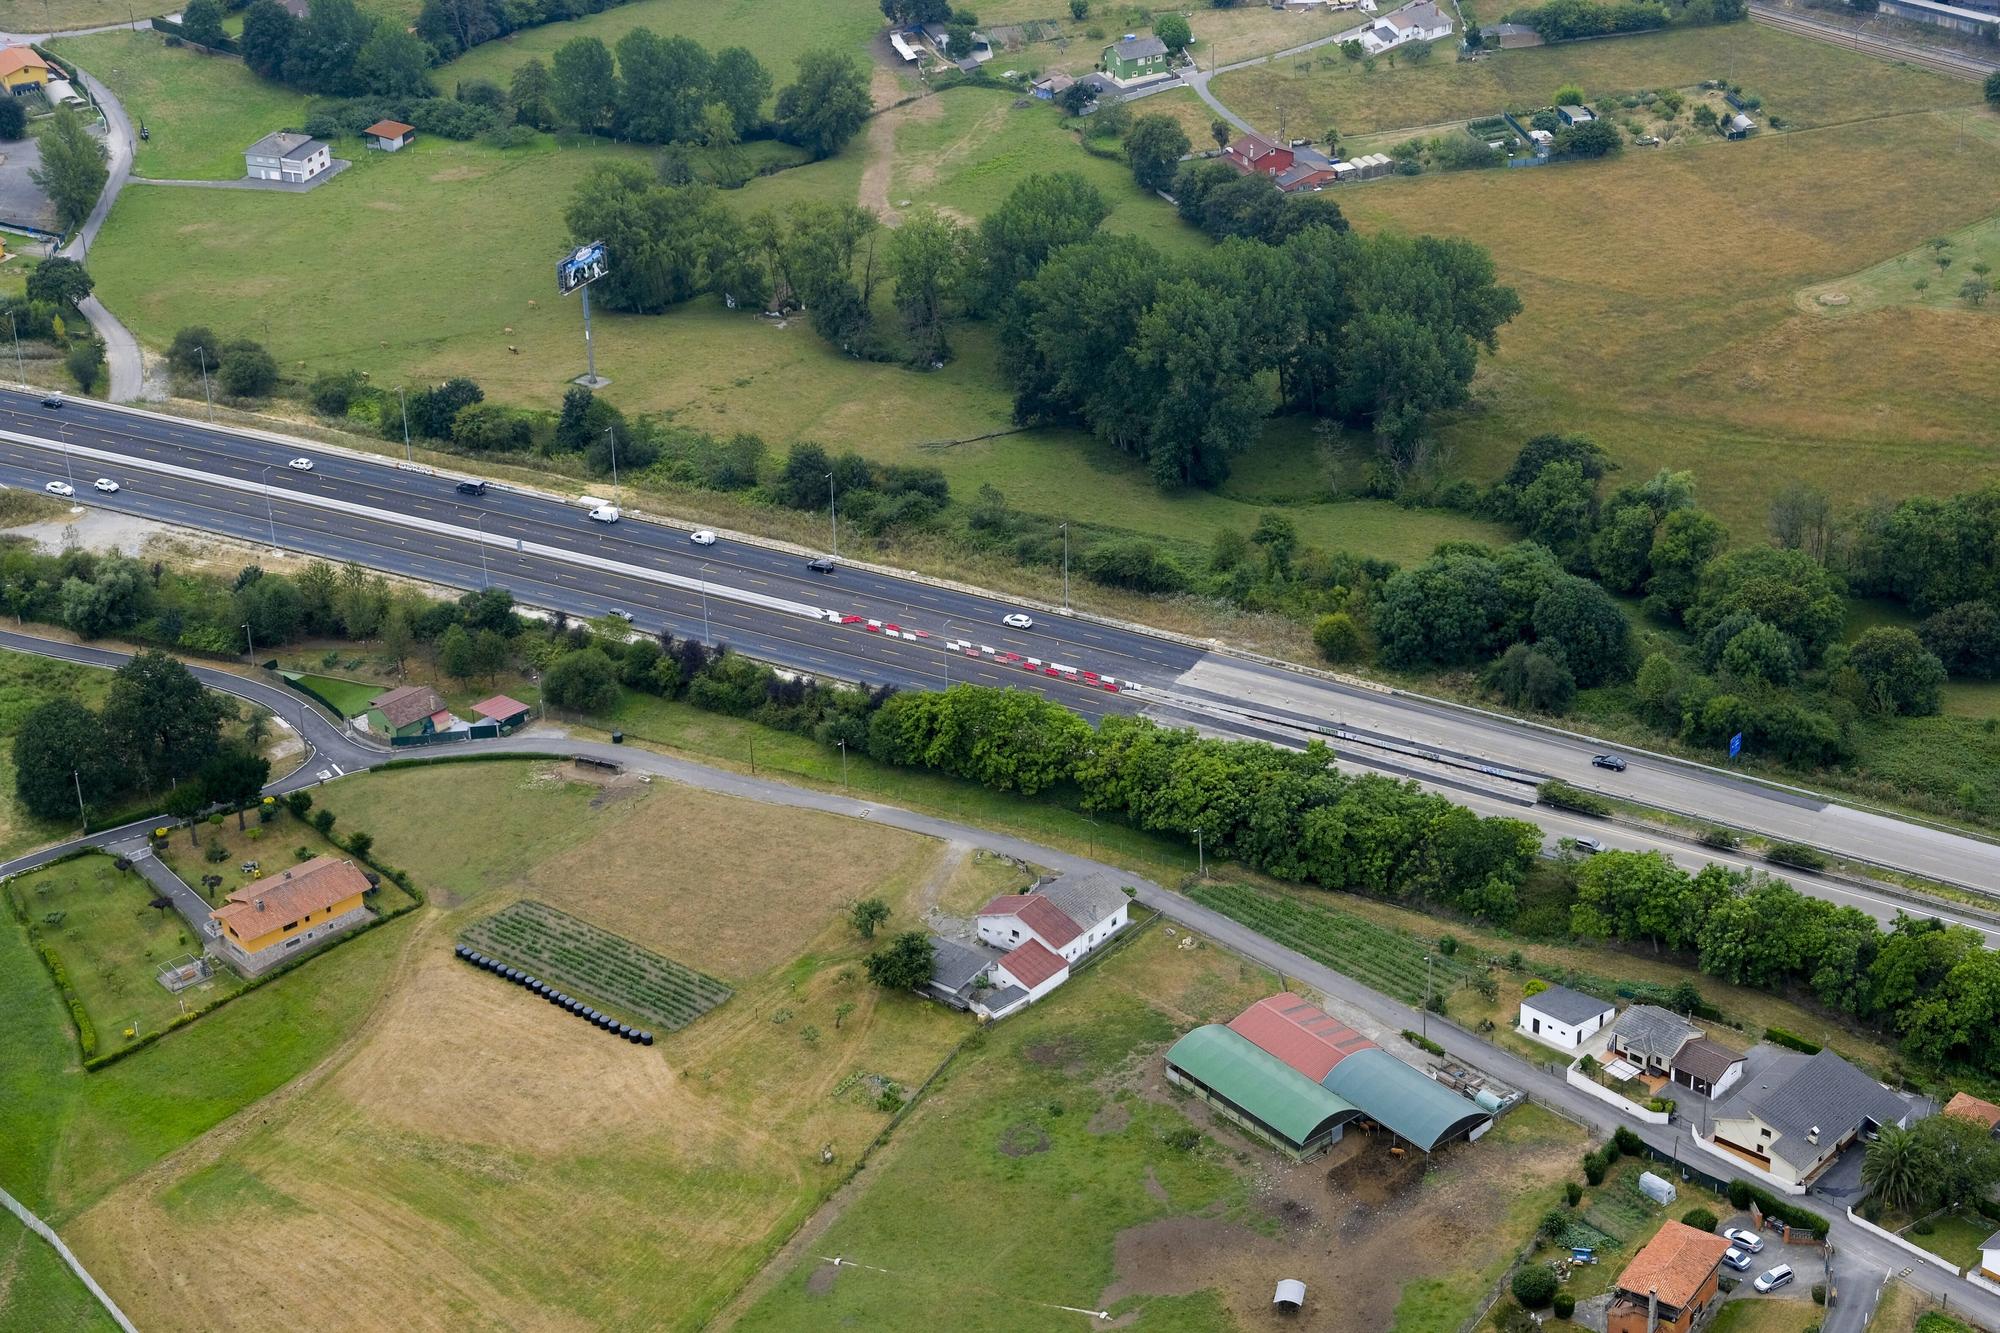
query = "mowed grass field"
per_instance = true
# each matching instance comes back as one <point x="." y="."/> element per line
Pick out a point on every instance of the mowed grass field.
<point x="1808" y="83"/>
<point x="200" y="111"/>
<point x="557" y="1178"/>
<point x="38" y="1293"/>
<point x="777" y="31"/>
<point x="26" y="683"/>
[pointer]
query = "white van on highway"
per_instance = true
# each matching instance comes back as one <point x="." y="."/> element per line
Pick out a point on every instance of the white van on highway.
<point x="605" y="513"/>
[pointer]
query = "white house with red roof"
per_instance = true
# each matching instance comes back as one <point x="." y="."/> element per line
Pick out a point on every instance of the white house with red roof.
<point x="1027" y="942"/>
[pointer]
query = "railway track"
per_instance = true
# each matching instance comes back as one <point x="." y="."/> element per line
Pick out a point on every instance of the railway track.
<point x="1952" y="64"/>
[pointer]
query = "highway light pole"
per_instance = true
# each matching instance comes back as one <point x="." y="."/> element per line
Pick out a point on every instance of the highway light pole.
<point x="270" y="513"/>
<point x="843" y="764"/>
<point x="20" y="370"/>
<point x="202" y="353"/>
<point x="83" y="817"/>
<point x="403" y="398"/>
<point x="610" y="433"/>
<point x="833" y="514"/>
<point x="252" y="643"/>
<point x="1065" y="605"/>
<point x="68" y="470"/>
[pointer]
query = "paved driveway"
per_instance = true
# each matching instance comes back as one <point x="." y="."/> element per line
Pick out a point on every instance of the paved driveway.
<point x="21" y="200"/>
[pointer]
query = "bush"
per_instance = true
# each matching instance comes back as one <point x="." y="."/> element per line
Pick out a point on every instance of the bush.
<point x="1337" y="638"/>
<point x="1790" y="1040"/>
<point x="13" y="119"/>
<point x="1700" y="1219"/>
<point x="1422" y="1042"/>
<point x="1535" y="987"/>
<point x="1594" y="1167"/>
<point x="85" y="363"/>
<point x="1565" y="797"/>
<point x="1819" y="1293"/>
<point x="1627" y="1143"/>
<point x="1796" y="854"/>
<point x="247" y="370"/>
<point x="1739" y="1194"/>
<point x="1534" y="1287"/>
<point x="1572" y="1193"/>
<point x="1564" y="1305"/>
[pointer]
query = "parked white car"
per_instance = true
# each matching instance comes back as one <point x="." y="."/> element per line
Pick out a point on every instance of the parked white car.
<point x="60" y="488"/>
<point x="702" y="538"/>
<point x="1774" y="1279"/>
<point x="108" y="486"/>
<point x="302" y="465"/>
<point x="1736" y="1259"/>
<point x="1744" y="1239"/>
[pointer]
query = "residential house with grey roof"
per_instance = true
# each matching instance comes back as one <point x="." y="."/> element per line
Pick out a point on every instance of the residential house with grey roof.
<point x="1794" y="1118"/>
<point x="1563" y="1018"/>
<point x="1650" y="1037"/>
<point x="285" y="156"/>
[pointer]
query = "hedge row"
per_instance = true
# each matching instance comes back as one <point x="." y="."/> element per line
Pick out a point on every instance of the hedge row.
<point x="1742" y="1193"/>
<point x="1791" y="1041"/>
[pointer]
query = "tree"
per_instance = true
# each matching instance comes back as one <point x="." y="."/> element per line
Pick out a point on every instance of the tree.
<point x="194" y="349"/>
<point x="1993" y="89"/>
<point x="583" y="84"/>
<point x="160" y="718"/>
<point x="246" y="370"/>
<point x="1337" y="638"/>
<point x="201" y="23"/>
<point x="910" y="13"/>
<point x="452" y="27"/>
<point x="184" y="802"/>
<point x="1682" y="547"/>
<point x="1802" y="520"/>
<point x="1966" y="638"/>
<point x="1079" y="9"/>
<point x="268" y="29"/>
<point x="1154" y="148"/>
<point x="1785" y="588"/>
<point x="1578" y="622"/>
<point x="583" y="681"/>
<point x="662" y="87"/>
<point x="73" y="169"/>
<point x="867" y="914"/>
<point x="1899" y="674"/>
<point x="1038" y="216"/>
<point x="1759" y="653"/>
<point x="234" y="776"/>
<point x="13" y="120"/>
<point x="455" y="653"/>
<point x="739" y="81"/>
<point x="1534" y="1285"/>
<point x="1172" y="29"/>
<point x="826" y="104"/>
<point x="1894" y="1169"/>
<point x="1527" y="677"/>
<point x="85" y="363"/>
<point x="59" y="281"/>
<point x="326" y="46"/>
<point x="670" y="242"/>
<point x="1444" y="612"/>
<point x="905" y="963"/>
<point x="1974" y="291"/>
<point x="531" y="92"/>
<point x="61" y="752"/>
<point x="393" y="62"/>
<point x="927" y="260"/>
<point x="1221" y="131"/>
<point x="1593" y="138"/>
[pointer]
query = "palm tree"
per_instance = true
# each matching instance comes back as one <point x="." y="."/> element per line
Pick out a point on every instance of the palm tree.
<point x="1894" y="1168"/>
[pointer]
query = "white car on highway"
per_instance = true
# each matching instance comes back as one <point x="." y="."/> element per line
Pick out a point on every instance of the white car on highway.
<point x="702" y="538"/>
<point x="60" y="488"/>
<point x="302" y="465"/>
<point x="1018" y="621"/>
<point x="108" y="486"/>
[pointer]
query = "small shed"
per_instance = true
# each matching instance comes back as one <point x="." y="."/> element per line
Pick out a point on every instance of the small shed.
<point x="388" y="135"/>
<point x="1575" y="115"/>
<point x="1291" y="1295"/>
<point x="1659" y="1190"/>
<point x="1738" y="126"/>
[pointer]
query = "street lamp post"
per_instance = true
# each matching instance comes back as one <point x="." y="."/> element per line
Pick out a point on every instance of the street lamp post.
<point x="250" y="643"/>
<point x="201" y="353"/>
<point x="479" y="521"/>
<point x="1201" y="852"/>
<point x="403" y="398"/>
<point x="834" y="515"/>
<point x="1425" y="1017"/>
<point x="843" y="764"/>
<point x="20" y="369"/>
<point x="82" y="816"/>
<point x="1065" y="605"/>
<point x="68" y="469"/>
<point x="611" y="433"/>
<point x="707" y="639"/>
<point x="270" y="513"/>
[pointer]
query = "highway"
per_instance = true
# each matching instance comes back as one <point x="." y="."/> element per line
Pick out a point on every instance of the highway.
<point x="764" y="601"/>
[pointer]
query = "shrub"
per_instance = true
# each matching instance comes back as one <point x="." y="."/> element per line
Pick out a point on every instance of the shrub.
<point x="1337" y="638"/>
<point x="1790" y="1040"/>
<point x="1627" y="1143"/>
<point x="1534" y="987"/>
<point x="1819" y="1293"/>
<point x="1534" y="1287"/>
<point x="1572" y="1193"/>
<point x="1565" y="797"/>
<point x="1739" y="1194"/>
<point x="1422" y="1042"/>
<point x="1554" y="1222"/>
<point x="247" y="370"/>
<point x="1795" y="854"/>
<point x="1924" y="1228"/>
<point x="1720" y="837"/>
<point x="1699" y="1218"/>
<point x="1594" y="1167"/>
<point x="1564" y="1305"/>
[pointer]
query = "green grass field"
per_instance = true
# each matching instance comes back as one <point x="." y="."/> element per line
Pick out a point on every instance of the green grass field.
<point x="38" y="1293"/>
<point x="1807" y="83"/>
<point x="1766" y="1316"/>
<point x="1955" y="1237"/>
<point x="778" y="31"/>
<point x="27" y="682"/>
<point x="111" y="945"/>
<point x="201" y="111"/>
<point x="1915" y="278"/>
<point x="349" y="696"/>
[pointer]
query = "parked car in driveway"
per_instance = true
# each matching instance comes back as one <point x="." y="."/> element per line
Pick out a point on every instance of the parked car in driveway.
<point x="60" y="488"/>
<point x="1774" y="1279"/>
<point x="1744" y="1239"/>
<point x="1610" y="761"/>
<point x="1736" y="1259"/>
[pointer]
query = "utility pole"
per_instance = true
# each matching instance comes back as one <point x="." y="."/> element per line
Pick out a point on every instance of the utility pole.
<point x="843" y="764"/>
<point x="20" y="370"/>
<point x="405" y="401"/>
<point x="202" y="353"/>
<point x="1201" y="853"/>
<point x="1065" y="605"/>
<point x="1425" y="1017"/>
<point x="610" y="432"/>
<point x="833" y="514"/>
<point x="81" y="815"/>
<point x="252" y="643"/>
<point x="479" y="522"/>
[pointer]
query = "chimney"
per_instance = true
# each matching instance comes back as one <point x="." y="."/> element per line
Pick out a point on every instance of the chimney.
<point x="1652" y="1309"/>
<point x="1812" y="1135"/>
<point x="260" y="904"/>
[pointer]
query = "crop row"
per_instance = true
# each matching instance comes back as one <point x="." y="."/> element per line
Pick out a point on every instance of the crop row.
<point x="1386" y="959"/>
<point x="561" y="948"/>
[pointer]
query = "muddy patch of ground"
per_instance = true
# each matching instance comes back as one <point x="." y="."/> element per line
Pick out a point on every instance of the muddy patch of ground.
<point x="1023" y="1140"/>
<point x="1111" y="1118"/>
<point x="1063" y="1052"/>
<point x="822" y="1280"/>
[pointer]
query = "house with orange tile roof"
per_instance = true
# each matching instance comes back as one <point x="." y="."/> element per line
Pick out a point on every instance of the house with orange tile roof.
<point x="21" y="70"/>
<point x="1968" y="1107"/>
<point x="1669" y="1284"/>
<point x="283" y="915"/>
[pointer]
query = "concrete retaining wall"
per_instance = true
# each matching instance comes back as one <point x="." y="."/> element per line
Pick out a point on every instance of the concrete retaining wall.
<point x="1894" y="1239"/>
<point x="1584" y="1083"/>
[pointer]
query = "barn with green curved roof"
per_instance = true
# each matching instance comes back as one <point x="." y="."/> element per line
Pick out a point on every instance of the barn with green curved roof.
<point x="1258" y="1091"/>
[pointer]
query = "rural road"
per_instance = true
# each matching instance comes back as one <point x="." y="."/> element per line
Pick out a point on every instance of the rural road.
<point x="884" y="626"/>
<point x="1859" y="1259"/>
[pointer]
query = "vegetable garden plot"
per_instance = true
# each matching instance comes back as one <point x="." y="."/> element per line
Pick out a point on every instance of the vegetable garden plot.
<point x="558" y="947"/>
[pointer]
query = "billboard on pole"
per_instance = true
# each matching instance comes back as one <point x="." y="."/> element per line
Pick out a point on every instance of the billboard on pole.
<point x="580" y="267"/>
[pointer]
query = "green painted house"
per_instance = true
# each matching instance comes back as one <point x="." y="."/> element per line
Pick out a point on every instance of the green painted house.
<point x="1135" y="58"/>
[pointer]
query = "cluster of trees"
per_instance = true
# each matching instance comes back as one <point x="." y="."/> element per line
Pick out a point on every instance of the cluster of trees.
<point x="335" y="49"/>
<point x="49" y="309"/>
<point x="75" y="165"/>
<point x="1566" y="20"/>
<point x="1938" y="557"/>
<point x="1224" y="202"/>
<point x="1934" y="985"/>
<point x="452" y="27"/>
<point x="872" y="497"/>
<point x="158" y="727"/>
<point x="1941" y="1161"/>
<point x="1178" y="360"/>
<point x="479" y="108"/>
<point x="239" y="368"/>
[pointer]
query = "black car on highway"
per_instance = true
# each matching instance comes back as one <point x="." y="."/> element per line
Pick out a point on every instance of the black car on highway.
<point x="1610" y="761"/>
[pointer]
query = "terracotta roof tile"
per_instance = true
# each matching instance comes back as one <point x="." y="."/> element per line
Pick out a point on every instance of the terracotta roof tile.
<point x="498" y="707"/>
<point x="406" y="704"/>
<point x="1968" y="1107"/>
<point x="1300" y="1033"/>
<point x="1038" y="914"/>
<point x="1676" y="1261"/>
<point x="310" y="886"/>
<point x="1031" y="964"/>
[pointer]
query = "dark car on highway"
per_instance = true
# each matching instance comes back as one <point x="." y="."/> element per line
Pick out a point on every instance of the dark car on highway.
<point x="820" y="566"/>
<point x="472" y="488"/>
<point x="1610" y="761"/>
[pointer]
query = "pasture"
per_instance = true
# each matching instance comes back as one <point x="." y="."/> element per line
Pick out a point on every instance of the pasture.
<point x="201" y="111"/>
<point x="38" y="1294"/>
<point x="555" y="1176"/>
<point x="27" y="682"/>
<point x="1809" y="83"/>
